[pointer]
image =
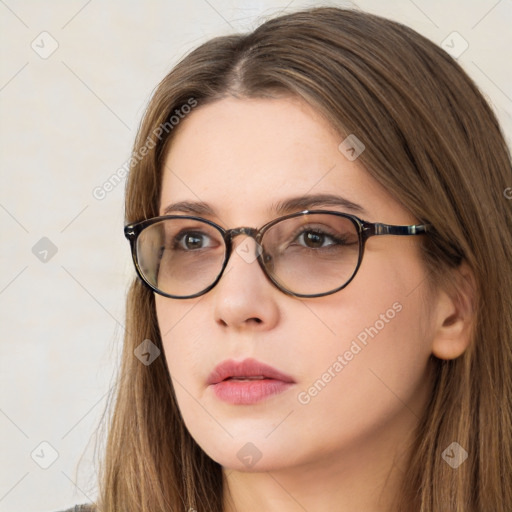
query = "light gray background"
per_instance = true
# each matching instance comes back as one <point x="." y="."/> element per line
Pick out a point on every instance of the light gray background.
<point x="67" y="124"/>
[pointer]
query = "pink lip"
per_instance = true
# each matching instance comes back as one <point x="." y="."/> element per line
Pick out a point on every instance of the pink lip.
<point x="266" y="381"/>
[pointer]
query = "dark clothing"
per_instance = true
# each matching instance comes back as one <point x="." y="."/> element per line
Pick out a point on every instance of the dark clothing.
<point x="80" y="508"/>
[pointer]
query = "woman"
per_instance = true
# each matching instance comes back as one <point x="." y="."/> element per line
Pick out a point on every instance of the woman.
<point x="274" y="367"/>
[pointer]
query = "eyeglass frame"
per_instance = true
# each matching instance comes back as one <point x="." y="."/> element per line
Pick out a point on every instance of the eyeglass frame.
<point x="365" y="230"/>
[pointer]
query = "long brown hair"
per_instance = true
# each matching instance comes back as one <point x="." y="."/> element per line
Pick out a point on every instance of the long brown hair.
<point x="433" y="142"/>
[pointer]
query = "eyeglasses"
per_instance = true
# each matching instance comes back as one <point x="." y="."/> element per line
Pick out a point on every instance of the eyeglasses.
<point x="304" y="254"/>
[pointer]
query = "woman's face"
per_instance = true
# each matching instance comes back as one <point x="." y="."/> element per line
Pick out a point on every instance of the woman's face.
<point x="353" y="365"/>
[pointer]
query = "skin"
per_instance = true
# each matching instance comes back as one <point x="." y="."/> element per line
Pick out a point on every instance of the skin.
<point x="345" y="449"/>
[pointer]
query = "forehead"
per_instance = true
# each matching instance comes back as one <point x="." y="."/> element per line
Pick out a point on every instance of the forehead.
<point x="243" y="156"/>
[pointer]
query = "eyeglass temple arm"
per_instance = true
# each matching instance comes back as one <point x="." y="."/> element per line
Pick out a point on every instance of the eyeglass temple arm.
<point x="129" y="232"/>
<point x="370" y="229"/>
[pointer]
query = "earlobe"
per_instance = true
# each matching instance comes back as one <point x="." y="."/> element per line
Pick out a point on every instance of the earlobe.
<point x="455" y="314"/>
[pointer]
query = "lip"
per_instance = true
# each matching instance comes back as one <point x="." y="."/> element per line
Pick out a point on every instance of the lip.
<point x="261" y="381"/>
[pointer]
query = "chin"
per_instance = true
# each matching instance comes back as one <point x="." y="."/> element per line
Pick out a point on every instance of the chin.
<point x="258" y="455"/>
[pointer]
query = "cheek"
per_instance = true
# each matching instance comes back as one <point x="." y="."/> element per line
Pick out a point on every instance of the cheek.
<point x="185" y="352"/>
<point x="182" y="340"/>
<point x="191" y="352"/>
<point x="377" y="366"/>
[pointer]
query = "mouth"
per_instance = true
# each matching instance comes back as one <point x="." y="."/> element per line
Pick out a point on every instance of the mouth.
<point x="247" y="382"/>
<point x="258" y="377"/>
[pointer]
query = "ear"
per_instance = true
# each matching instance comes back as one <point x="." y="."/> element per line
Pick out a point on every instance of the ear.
<point x="454" y="314"/>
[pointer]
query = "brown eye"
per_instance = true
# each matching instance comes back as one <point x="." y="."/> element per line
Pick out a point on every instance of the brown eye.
<point x="190" y="241"/>
<point x="313" y="240"/>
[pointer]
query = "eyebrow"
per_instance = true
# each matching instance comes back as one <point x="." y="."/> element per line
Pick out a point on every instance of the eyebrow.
<point x="290" y="205"/>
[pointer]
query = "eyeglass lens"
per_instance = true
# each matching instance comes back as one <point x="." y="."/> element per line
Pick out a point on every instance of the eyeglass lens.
<point x="307" y="254"/>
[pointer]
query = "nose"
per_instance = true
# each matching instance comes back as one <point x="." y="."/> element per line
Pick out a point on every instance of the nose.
<point x="244" y="297"/>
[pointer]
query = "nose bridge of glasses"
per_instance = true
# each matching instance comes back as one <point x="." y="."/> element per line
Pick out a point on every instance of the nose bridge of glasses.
<point x="243" y="250"/>
<point x="251" y="232"/>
